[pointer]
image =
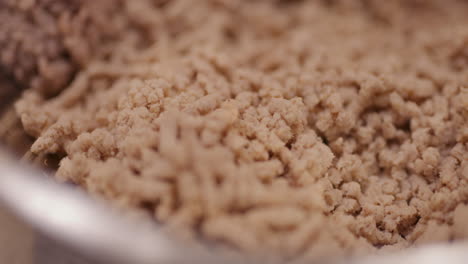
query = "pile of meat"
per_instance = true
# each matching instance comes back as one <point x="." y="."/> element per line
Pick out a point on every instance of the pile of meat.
<point x="298" y="128"/>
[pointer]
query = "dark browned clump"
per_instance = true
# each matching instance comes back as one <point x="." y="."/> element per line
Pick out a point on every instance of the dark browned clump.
<point x="44" y="42"/>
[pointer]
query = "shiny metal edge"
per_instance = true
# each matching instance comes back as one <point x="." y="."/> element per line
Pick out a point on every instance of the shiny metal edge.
<point x="71" y="217"/>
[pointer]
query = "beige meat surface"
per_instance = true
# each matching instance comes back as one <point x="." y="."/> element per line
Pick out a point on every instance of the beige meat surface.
<point x="304" y="128"/>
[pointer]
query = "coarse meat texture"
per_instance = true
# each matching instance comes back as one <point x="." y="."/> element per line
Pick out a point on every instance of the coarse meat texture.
<point x="45" y="42"/>
<point x="304" y="129"/>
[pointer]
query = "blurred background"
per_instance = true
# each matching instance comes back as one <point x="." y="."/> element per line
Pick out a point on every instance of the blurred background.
<point x="16" y="239"/>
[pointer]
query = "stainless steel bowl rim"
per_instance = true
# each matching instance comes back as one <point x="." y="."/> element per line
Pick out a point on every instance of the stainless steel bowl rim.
<point x="70" y="216"/>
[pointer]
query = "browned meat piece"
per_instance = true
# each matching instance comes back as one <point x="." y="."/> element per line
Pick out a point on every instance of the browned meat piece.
<point x="44" y="42"/>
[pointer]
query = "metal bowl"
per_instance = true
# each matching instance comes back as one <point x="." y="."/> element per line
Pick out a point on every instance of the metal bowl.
<point x="73" y="228"/>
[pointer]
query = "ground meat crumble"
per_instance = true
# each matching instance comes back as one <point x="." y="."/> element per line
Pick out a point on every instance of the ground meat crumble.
<point x="308" y="128"/>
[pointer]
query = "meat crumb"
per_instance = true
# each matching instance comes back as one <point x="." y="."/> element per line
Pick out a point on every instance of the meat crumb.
<point x="299" y="128"/>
